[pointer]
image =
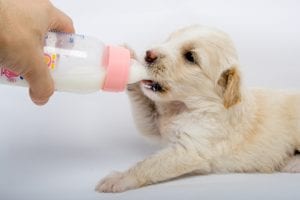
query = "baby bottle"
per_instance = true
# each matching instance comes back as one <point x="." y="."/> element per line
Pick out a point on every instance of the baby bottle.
<point x="83" y="64"/>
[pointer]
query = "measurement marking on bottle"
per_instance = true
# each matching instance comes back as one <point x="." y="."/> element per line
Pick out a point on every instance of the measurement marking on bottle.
<point x="73" y="53"/>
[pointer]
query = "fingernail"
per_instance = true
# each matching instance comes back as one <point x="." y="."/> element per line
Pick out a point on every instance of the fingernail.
<point x="39" y="102"/>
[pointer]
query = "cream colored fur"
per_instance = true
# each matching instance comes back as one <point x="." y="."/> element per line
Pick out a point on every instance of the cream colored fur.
<point x="210" y="121"/>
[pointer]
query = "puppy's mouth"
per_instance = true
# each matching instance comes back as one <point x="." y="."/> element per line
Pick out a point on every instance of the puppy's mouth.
<point x="152" y="86"/>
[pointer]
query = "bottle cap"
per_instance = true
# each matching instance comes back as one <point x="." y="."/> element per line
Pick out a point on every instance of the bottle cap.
<point x="116" y="60"/>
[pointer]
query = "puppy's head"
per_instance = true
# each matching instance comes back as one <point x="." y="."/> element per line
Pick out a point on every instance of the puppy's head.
<point x="194" y="62"/>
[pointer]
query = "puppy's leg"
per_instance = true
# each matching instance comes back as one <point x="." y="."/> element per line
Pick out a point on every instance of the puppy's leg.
<point x="166" y="164"/>
<point x="144" y="112"/>
<point x="293" y="166"/>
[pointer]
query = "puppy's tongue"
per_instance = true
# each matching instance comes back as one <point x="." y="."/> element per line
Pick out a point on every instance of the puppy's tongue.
<point x="154" y="86"/>
<point x="147" y="82"/>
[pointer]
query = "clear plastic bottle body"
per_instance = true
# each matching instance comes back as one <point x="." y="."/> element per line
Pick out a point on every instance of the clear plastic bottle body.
<point x="75" y="63"/>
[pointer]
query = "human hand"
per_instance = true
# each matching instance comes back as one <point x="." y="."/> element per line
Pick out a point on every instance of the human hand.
<point x="23" y="26"/>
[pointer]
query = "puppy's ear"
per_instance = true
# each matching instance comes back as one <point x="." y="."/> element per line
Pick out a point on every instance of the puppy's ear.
<point x="230" y="85"/>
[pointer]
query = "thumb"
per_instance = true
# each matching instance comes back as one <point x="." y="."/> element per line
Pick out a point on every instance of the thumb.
<point x="41" y="85"/>
<point x="61" y="22"/>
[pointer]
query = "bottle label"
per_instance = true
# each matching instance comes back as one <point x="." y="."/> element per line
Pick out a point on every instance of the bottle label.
<point x="50" y="60"/>
<point x="12" y="77"/>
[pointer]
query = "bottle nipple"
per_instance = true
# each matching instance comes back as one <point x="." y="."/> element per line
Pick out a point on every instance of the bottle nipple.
<point x="120" y="69"/>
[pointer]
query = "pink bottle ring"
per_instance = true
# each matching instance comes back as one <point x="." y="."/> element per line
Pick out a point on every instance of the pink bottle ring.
<point x="116" y="60"/>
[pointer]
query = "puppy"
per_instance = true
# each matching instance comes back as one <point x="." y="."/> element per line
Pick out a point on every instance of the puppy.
<point x="196" y="102"/>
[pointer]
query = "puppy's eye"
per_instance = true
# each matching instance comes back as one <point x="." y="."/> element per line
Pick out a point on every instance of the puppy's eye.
<point x="189" y="56"/>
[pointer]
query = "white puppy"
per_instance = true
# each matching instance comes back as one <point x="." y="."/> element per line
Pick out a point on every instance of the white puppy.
<point x="197" y="103"/>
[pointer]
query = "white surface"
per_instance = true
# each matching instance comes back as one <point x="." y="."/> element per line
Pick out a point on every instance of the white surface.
<point x="61" y="150"/>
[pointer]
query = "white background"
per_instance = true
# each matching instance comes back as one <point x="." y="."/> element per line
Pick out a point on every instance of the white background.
<point x="61" y="150"/>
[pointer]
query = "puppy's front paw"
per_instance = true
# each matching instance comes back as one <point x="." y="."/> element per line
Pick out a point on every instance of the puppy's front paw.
<point x="293" y="166"/>
<point x="134" y="88"/>
<point x="117" y="182"/>
<point x="132" y="52"/>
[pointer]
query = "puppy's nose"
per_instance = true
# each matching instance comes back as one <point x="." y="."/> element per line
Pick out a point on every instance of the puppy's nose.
<point x="151" y="56"/>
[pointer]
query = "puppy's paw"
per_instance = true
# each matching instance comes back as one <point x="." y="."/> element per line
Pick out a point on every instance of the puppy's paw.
<point x="134" y="88"/>
<point x="293" y="166"/>
<point x="132" y="52"/>
<point x="117" y="182"/>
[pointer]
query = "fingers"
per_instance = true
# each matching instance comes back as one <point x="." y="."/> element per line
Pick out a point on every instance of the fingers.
<point x="38" y="76"/>
<point x="22" y="38"/>
<point x="41" y="86"/>
<point x="61" y="22"/>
